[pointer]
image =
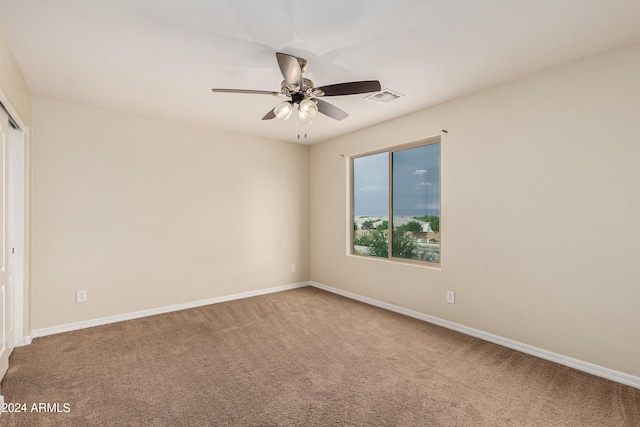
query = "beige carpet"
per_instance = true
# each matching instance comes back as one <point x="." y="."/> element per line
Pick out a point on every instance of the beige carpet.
<point x="299" y="358"/>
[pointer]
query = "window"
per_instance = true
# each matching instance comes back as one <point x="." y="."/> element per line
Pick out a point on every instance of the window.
<point x="395" y="203"/>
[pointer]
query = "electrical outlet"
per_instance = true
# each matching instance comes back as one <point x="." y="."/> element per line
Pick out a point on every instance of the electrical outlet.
<point x="293" y="268"/>
<point x="81" y="296"/>
<point x="451" y="297"/>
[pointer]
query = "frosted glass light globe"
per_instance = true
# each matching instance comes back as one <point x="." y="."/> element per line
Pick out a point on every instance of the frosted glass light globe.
<point x="303" y="119"/>
<point x="308" y="108"/>
<point x="283" y="110"/>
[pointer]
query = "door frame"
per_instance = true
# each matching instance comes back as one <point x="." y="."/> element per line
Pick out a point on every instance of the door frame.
<point x="21" y="243"/>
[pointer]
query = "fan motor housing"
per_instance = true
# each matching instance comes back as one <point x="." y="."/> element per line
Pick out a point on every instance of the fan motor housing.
<point x="297" y="97"/>
<point x="287" y="90"/>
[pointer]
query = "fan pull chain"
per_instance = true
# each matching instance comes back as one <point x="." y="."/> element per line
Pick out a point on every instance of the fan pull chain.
<point x="305" y="131"/>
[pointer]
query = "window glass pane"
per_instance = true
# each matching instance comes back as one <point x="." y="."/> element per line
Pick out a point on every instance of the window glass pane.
<point x="416" y="203"/>
<point x="371" y="205"/>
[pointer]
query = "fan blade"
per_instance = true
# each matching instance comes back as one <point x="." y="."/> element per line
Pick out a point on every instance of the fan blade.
<point x="259" y="92"/>
<point x="270" y="115"/>
<point x="290" y="68"/>
<point x="351" y="88"/>
<point x="330" y="110"/>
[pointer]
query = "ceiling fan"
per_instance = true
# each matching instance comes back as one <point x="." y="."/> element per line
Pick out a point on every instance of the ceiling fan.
<point x="304" y="95"/>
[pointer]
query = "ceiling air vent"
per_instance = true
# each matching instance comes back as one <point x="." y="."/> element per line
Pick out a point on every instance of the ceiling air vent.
<point x="384" y="96"/>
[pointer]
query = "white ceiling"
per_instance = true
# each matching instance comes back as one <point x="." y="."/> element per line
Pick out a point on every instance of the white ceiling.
<point x="160" y="58"/>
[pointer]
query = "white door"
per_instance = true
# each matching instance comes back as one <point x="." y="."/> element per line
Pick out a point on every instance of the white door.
<point x="7" y="334"/>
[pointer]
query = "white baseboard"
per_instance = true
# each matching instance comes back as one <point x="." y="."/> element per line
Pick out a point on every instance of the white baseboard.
<point x="160" y="310"/>
<point x="25" y="341"/>
<point x="580" y="365"/>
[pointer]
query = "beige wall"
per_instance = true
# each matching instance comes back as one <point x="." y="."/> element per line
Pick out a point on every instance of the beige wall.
<point x="145" y="213"/>
<point x="12" y="82"/>
<point x="540" y="208"/>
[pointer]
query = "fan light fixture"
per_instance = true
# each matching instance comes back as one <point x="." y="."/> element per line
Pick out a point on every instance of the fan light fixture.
<point x="283" y="110"/>
<point x="308" y="108"/>
<point x="307" y="111"/>
<point x="303" y="119"/>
